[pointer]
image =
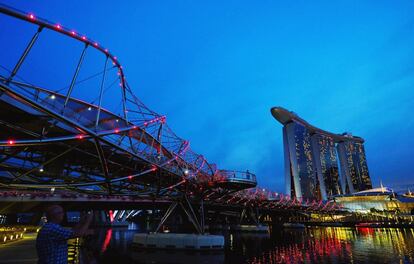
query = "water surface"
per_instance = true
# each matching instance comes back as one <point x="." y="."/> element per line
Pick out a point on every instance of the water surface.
<point x="311" y="245"/>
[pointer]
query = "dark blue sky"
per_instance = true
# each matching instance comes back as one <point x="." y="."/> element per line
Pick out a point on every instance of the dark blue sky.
<point x="215" y="68"/>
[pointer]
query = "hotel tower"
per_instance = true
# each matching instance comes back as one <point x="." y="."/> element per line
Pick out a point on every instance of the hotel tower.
<point x="320" y="164"/>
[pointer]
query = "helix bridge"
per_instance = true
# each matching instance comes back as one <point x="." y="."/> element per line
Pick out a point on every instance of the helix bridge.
<point x="72" y="125"/>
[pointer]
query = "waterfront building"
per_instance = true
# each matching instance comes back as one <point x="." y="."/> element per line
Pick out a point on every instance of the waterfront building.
<point x="354" y="167"/>
<point x="299" y="175"/>
<point x="320" y="164"/>
<point x="326" y="164"/>
<point x="379" y="199"/>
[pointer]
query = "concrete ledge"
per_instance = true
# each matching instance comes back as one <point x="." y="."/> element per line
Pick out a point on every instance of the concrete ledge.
<point x="294" y="225"/>
<point x="179" y="241"/>
<point x="250" y="228"/>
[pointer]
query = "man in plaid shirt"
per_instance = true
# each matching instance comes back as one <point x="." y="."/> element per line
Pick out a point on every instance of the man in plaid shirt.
<point x="51" y="242"/>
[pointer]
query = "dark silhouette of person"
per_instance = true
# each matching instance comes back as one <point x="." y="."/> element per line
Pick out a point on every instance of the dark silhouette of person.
<point x="52" y="239"/>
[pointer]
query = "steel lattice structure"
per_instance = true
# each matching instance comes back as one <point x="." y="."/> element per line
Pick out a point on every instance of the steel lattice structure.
<point x="51" y="138"/>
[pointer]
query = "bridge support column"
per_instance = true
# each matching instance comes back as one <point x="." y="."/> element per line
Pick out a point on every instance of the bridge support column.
<point x="186" y="206"/>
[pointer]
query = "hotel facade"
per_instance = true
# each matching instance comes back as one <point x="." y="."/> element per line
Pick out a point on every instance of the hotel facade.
<point x="320" y="164"/>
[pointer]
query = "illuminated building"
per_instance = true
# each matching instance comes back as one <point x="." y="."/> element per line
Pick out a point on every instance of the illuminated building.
<point x="379" y="199"/>
<point x="354" y="169"/>
<point x="326" y="164"/>
<point x="320" y="164"/>
<point x="298" y="141"/>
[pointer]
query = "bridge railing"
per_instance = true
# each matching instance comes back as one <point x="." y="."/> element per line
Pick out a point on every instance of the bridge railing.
<point x="232" y="175"/>
<point x="114" y="126"/>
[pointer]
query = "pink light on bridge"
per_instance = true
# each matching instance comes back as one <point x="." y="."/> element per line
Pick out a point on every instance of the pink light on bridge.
<point x="111" y="216"/>
<point x="58" y="26"/>
<point x="11" y="142"/>
<point x="32" y="17"/>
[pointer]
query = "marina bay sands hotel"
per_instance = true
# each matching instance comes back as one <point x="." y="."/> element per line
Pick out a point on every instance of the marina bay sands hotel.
<point x="320" y="164"/>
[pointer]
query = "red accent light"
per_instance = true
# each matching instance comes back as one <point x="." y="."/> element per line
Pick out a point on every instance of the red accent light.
<point x="58" y="26"/>
<point x="129" y="177"/>
<point x="154" y="168"/>
<point x="79" y="136"/>
<point x="111" y="216"/>
<point x="116" y="130"/>
<point x="95" y="44"/>
<point x="32" y="17"/>
<point x="73" y="33"/>
<point x="11" y="142"/>
<point x="134" y="127"/>
<point x="106" y="50"/>
<point x="108" y="237"/>
<point x="115" y="58"/>
<point x="83" y="37"/>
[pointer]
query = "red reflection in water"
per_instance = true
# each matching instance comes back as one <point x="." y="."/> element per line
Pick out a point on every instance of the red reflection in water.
<point x="108" y="237"/>
<point x="366" y="231"/>
<point x="309" y="251"/>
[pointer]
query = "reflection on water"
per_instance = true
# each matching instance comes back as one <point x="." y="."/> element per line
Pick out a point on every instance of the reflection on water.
<point x="338" y="245"/>
<point x="312" y="245"/>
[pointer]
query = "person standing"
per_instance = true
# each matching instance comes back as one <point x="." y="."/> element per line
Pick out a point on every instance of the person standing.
<point x="52" y="239"/>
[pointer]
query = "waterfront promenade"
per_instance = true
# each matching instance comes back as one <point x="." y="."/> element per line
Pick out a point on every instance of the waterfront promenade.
<point x="20" y="251"/>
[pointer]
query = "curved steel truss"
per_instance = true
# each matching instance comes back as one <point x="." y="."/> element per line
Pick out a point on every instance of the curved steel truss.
<point x="88" y="135"/>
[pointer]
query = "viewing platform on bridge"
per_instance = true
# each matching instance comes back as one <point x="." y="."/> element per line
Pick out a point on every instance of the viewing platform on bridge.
<point x="231" y="179"/>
